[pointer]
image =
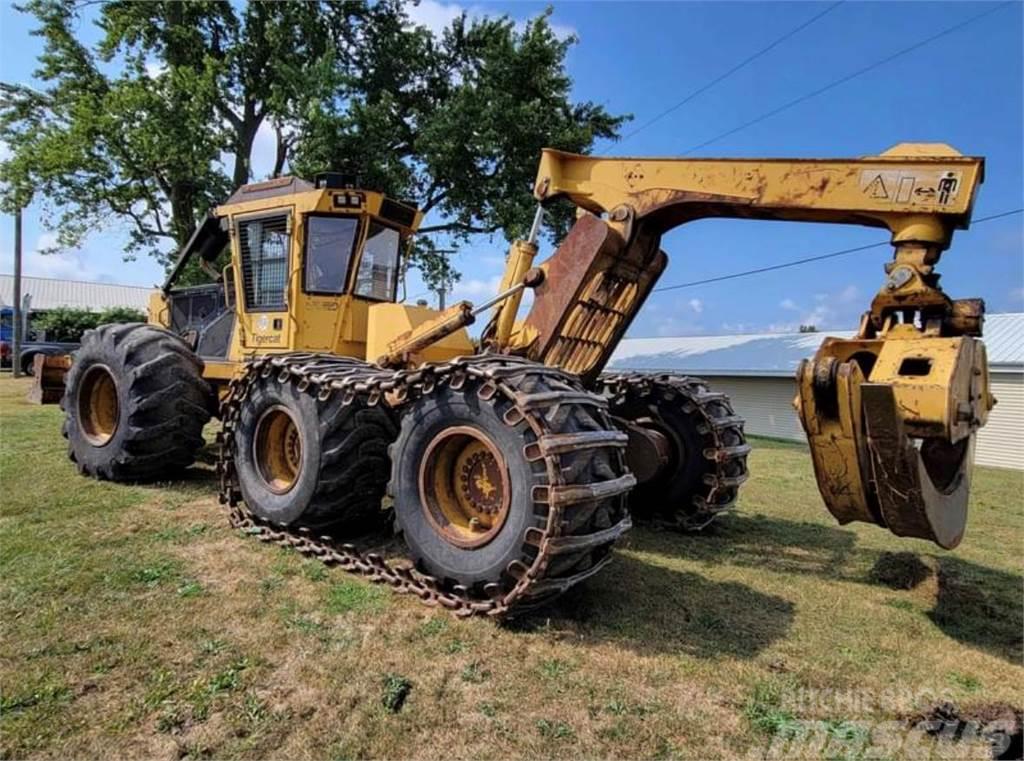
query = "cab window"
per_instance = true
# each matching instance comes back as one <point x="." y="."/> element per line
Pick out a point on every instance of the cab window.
<point x="264" y="244"/>
<point x="329" y="244"/>
<point x="378" y="268"/>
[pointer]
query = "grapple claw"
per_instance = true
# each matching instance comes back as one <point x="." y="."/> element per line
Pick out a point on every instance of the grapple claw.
<point x="891" y="423"/>
<point x="921" y="492"/>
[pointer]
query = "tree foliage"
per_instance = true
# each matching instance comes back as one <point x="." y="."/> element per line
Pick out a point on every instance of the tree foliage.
<point x="155" y="122"/>
<point x="69" y="323"/>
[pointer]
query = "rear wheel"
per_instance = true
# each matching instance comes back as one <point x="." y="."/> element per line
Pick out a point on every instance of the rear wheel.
<point x="312" y="463"/>
<point x="706" y="453"/>
<point x="482" y="478"/>
<point x="135" y="403"/>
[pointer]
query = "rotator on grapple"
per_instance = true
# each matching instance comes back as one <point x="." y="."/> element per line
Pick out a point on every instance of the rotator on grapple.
<point x="513" y="467"/>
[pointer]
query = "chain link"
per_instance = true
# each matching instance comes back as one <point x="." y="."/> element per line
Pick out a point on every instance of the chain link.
<point x="325" y="376"/>
<point x="725" y="445"/>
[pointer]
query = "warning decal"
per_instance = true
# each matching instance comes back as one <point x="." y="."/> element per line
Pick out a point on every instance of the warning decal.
<point x="911" y="188"/>
<point x="949" y="184"/>
<point x="876" y="188"/>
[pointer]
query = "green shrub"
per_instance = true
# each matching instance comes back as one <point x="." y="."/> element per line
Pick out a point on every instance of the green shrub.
<point x="66" y="323"/>
<point x="69" y="323"/>
<point x="121" y="315"/>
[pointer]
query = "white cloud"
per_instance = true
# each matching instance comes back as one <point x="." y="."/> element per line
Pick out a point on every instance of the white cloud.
<point x="737" y="328"/>
<point x="696" y="305"/>
<point x="829" y="309"/>
<point x="678" y="326"/>
<point x="63" y="265"/>
<point x="476" y="288"/>
<point x="437" y="16"/>
<point x="433" y="15"/>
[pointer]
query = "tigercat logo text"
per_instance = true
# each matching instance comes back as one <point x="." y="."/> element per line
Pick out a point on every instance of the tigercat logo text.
<point x="261" y="340"/>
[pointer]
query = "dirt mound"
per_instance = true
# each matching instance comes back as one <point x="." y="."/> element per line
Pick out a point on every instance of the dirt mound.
<point x="900" y="570"/>
<point x="1000" y="724"/>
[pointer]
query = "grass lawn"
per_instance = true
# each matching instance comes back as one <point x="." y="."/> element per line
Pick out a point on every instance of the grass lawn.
<point x="135" y="623"/>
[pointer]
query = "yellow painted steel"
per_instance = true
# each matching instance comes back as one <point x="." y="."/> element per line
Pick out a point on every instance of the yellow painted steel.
<point x="98" y="405"/>
<point x="343" y="324"/>
<point x="158" y="312"/>
<point x="890" y="415"/>
<point x="392" y="327"/>
<point x="464" y="487"/>
<point x="336" y="323"/>
<point x="520" y="258"/>
<point x="277" y="450"/>
<point x="918" y="191"/>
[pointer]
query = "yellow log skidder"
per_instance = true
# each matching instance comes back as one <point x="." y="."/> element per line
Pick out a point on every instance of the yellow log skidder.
<point x="514" y="465"/>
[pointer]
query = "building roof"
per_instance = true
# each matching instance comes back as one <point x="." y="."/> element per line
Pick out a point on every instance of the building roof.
<point x="49" y="293"/>
<point x="778" y="354"/>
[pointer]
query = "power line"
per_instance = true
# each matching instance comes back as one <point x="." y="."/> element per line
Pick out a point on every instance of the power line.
<point x="796" y="262"/>
<point x="843" y="80"/>
<point x="721" y="78"/>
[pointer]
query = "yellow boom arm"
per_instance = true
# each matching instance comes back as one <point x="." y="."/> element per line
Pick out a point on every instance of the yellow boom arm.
<point x="919" y="192"/>
<point x="890" y="416"/>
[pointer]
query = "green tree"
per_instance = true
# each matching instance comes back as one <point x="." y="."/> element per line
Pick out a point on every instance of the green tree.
<point x="155" y="123"/>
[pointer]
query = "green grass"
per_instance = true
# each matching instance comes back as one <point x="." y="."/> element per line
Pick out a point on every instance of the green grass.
<point x="135" y="623"/>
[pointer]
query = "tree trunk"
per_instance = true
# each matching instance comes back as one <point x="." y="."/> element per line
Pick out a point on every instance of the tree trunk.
<point x="282" y="152"/>
<point x="183" y="221"/>
<point x="243" y="144"/>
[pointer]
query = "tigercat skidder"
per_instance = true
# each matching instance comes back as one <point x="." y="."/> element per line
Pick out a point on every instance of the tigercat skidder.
<point x="514" y="464"/>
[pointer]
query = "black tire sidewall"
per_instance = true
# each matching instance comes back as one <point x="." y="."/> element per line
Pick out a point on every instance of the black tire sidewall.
<point x="96" y="458"/>
<point x="284" y="508"/>
<point x="438" y="556"/>
<point x="128" y="455"/>
<point x="684" y="476"/>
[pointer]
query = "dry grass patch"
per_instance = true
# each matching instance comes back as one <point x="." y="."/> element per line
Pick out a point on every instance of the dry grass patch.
<point x="136" y="623"/>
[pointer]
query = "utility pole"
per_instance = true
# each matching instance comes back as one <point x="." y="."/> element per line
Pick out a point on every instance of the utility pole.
<point x="440" y="297"/>
<point x="16" y="348"/>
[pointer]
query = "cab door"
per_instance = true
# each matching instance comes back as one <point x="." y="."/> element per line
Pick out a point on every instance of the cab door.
<point x="328" y="244"/>
<point x="264" y="243"/>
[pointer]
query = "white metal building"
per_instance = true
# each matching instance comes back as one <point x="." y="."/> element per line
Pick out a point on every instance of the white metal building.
<point x="757" y="372"/>
<point x="44" y="293"/>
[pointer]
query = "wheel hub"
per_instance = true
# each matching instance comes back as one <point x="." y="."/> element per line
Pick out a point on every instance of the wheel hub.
<point x="277" y="450"/>
<point x="464" y="486"/>
<point x="98" y="408"/>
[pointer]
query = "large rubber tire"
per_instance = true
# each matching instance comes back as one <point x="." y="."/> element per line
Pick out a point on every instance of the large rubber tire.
<point x="162" y="403"/>
<point x="344" y="459"/>
<point x="476" y="568"/>
<point x="692" y="488"/>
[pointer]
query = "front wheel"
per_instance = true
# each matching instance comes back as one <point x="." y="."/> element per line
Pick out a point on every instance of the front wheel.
<point x="135" y="403"/>
<point x="306" y="462"/>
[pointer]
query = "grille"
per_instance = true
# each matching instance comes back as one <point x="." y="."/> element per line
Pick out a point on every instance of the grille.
<point x="194" y="307"/>
<point x="593" y="322"/>
<point x="264" y="244"/>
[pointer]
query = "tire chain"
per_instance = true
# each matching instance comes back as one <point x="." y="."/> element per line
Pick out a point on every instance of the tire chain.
<point x="728" y="456"/>
<point x="327" y="375"/>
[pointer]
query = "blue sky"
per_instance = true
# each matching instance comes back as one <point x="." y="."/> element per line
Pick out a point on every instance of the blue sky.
<point x="964" y="89"/>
